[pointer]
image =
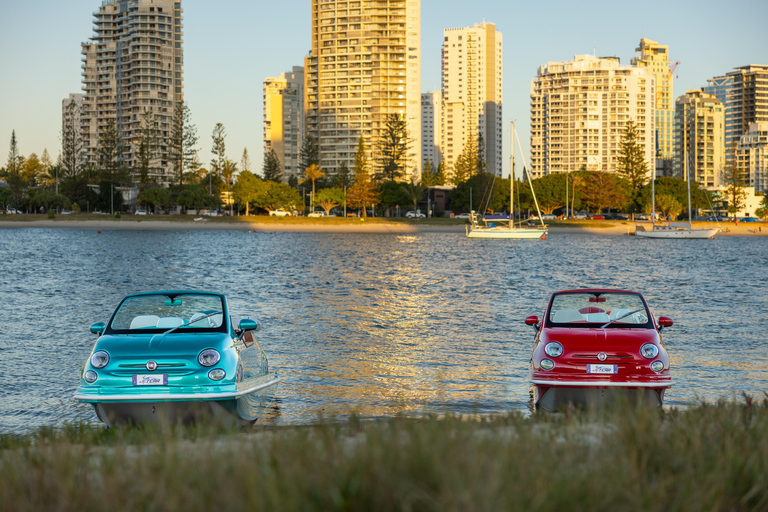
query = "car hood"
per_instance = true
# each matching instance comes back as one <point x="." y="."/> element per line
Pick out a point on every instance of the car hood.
<point x="609" y="338"/>
<point x="158" y="345"/>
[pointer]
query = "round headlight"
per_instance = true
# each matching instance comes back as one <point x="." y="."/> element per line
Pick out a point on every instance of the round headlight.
<point x="208" y="357"/>
<point x="649" y="350"/>
<point x="99" y="359"/>
<point x="216" y="374"/>
<point x="657" y="366"/>
<point x="554" y="349"/>
<point x="547" y="364"/>
<point x="90" y="376"/>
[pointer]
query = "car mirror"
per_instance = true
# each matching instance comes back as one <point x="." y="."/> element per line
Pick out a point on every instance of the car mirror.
<point x="98" y="328"/>
<point x="665" y="321"/>
<point x="532" y="320"/>
<point x="246" y="324"/>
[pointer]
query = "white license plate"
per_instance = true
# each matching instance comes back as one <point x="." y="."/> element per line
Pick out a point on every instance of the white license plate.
<point x="602" y="368"/>
<point x="150" y="380"/>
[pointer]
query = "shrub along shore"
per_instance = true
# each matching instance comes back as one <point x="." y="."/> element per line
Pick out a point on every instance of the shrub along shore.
<point x="330" y="224"/>
<point x="707" y="457"/>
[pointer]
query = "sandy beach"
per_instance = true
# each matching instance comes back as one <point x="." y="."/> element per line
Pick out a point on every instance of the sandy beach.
<point x="375" y="225"/>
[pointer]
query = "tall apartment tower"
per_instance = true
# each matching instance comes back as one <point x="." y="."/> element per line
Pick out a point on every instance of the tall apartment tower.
<point x="131" y="65"/>
<point x="472" y="92"/>
<point x="365" y="64"/>
<point x="752" y="156"/>
<point x="431" y="116"/>
<point x="655" y="58"/>
<point x="744" y="92"/>
<point x="284" y="118"/>
<point x="579" y="110"/>
<point x="700" y="127"/>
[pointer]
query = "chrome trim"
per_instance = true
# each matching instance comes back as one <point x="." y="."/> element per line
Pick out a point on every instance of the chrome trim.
<point x="185" y="396"/>
<point x="605" y="384"/>
<point x="159" y="365"/>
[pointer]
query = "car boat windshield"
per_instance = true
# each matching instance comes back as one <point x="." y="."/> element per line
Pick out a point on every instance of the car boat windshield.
<point x="162" y="313"/>
<point x="598" y="309"/>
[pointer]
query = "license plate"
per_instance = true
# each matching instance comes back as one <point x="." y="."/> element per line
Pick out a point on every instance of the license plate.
<point x="150" y="380"/>
<point x="602" y="368"/>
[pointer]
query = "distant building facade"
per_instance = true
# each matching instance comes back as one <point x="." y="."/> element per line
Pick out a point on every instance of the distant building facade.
<point x="431" y="116"/>
<point x="744" y="93"/>
<point x="655" y="58"/>
<point x="365" y="64"/>
<point x="579" y="110"/>
<point x="132" y="65"/>
<point x="284" y="119"/>
<point x="472" y="93"/>
<point x="752" y="156"/>
<point x="700" y="135"/>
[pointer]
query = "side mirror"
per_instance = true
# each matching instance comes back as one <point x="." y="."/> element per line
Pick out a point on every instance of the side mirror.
<point x="532" y="320"/>
<point x="246" y="324"/>
<point x="665" y="321"/>
<point x="98" y="328"/>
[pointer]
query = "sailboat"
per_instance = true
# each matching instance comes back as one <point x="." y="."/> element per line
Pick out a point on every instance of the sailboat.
<point x="673" y="229"/>
<point x="490" y="229"/>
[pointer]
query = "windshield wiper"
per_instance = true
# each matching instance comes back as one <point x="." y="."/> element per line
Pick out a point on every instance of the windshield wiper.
<point x="192" y="321"/>
<point x="620" y="317"/>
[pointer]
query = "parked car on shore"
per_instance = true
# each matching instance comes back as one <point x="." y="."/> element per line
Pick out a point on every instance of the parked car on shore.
<point x="596" y="217"/>
<point x="414" y="215"/>
<point x="317" y="214"/>
<point x="141" y="211"/>
<point x="549" y="216"/>
<point x="461" y="216"/>
<point x="279" y="213"/>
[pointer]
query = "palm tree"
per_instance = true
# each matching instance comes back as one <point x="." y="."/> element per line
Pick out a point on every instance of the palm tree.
<point x="414" y="191"/>
<point x="227" y="172"/>
<point x="313" y="173"/>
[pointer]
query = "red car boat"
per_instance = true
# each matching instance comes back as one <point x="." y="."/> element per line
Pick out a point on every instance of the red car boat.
<point x="598" y="346"/>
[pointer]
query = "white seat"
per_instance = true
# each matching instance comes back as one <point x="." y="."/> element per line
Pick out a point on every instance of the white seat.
<point x="144" y="321"/>
<point x="169" y="322"/>
<point x="565" y="316"/>
<point x="597" y="317"/>
<point x="205" y="322"/>
<point x="616" y="313"/>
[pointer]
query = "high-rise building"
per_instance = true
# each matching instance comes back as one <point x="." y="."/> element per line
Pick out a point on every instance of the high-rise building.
<point x="744" y="93"/>
<point x="752" y="156"/>
<point x="579" y="110"/>
<point x="132" y="66"/>
<point x="365" y="65"/>
<point x="700" y="134"/>
<point x="472" y="92"/>
<point x="284" y="118"/>
<point x="431" y="115"/>
<point x="655" y="58"/>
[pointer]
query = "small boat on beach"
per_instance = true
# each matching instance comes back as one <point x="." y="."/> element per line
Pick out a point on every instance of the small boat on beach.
<point x="177" y="357"/>
<point x="598" y="346"/>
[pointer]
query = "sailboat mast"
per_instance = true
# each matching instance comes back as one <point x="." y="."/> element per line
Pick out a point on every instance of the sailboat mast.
<point x="688" y="182"/>
<point x="512" y="174"/>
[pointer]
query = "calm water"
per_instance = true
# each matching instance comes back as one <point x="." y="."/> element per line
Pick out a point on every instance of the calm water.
<point x="376" y="324"/>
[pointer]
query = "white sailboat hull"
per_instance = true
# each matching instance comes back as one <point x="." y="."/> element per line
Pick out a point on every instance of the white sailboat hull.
<point x="684" y="233"/>
<point x="507" y="233"/>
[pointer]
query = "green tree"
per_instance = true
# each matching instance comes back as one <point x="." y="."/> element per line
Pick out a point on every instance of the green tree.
<point x="148" y="148"/>
<point x="277" y="195"/>
<point x="632" y="165"/>
<point x="414" y="191"/>
<point x="312" y="173"/>
<point x="668" y="206"/>
<point x="440" y="177"/>
<point x="428" y="174"/>
<point x="393" y="147"/>
<point x="182" y="141"/>
<point x="550" y="191"/>
<point x="362" y="192"/>
<point x="272" y="169"/>
<point x="481" y="166"/>
<point x="72" y="144"/>
<point x="228" y="173"/>
<point x="309" y="154"/>
<point x="343" y="178"/>
<point x="219" y="149"/>
<point x="13" y="170"/>
<point x="245" y="161"/>
<point x="196" y="197"/>
<point x="677" y="189"/>
<point x="391" y="194"/>
<point x="329" y="198"/>
<point x="604" y="190"/>
<point x="735" y="179"/>
<point x="762" y="211"/>
<point x="247" y="189"/>
<point x="154" y="197"/>
<point x="30" y="171"/>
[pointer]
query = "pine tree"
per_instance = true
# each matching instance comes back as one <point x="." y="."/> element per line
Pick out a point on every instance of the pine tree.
<point x="362" y="192"/>
<point x="110" y="150"/>
<point x="393" y="148"/>
<point x="272" y="170"/>
<point x="245" y="161"/>
<point x="428" y="174"/>
<point x="183" y="139"/>
<point x="632" y="164"/>
<point x="309" y="154"/>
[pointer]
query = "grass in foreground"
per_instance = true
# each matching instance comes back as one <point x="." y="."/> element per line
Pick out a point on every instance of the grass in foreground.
<point x="711" y="457"/>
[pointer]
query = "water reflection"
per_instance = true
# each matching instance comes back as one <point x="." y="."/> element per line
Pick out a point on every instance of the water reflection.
<point x="376" y="324"/>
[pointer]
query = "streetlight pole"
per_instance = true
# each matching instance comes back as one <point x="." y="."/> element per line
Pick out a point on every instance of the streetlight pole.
<point x="470" y="199"/>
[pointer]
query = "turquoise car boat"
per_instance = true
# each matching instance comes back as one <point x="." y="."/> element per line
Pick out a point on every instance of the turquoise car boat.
<point x="176" y="356"/>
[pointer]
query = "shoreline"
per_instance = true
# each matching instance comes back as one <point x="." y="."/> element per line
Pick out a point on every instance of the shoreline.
<point x="374" y="225"/>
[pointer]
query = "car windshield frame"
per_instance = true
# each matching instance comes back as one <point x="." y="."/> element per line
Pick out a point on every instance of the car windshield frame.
<point x="608" y="323"/>
<point x="210" y="306"/>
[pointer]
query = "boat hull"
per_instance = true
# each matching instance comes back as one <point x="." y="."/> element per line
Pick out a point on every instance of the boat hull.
<point x="554" y="398"/>
<point x="677" y="233"/>
<point x="224" y="409"/>
<point x="510" y="234"/>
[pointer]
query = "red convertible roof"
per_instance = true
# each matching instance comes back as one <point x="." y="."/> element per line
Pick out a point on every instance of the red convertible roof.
<point x="596" y="290"/>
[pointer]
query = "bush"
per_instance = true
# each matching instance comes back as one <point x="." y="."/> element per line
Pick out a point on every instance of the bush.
<point x="51" y="214"/>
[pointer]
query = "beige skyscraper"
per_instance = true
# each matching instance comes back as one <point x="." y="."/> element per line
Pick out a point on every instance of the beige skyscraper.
<point x="579" y="110"/>
<point x="472" y="92"/>
<point x="284" y="118"/>
<point x="655" y="58"/>
<point x="365" y="64"/>
<point x="700" y="137"/>
<point x="431" y="116"/>
<point x="752" y="156"/>
<point x="133" y="64"/>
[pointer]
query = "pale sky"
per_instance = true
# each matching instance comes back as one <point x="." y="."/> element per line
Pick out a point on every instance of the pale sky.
<point x="230" y="46"/>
